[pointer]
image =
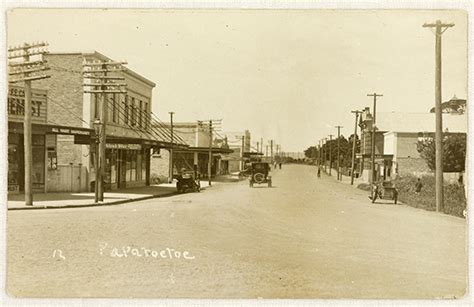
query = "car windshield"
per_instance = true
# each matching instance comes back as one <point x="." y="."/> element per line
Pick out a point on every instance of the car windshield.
<point x="259" y="166"/>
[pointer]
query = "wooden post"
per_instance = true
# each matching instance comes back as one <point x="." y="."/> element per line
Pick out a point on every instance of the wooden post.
<point x="170" y="177"/>
<point x="354" y="145"/>
<point x="372" y="167"/>
<point x="28" y="143"/>
<point x="27" y="72"/>
<point x="339" y="175"/>
<point x="440" y="28"/>
<point x="209" y="164"/>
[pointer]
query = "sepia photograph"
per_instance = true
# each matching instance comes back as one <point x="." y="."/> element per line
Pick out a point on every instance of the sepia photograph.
<point x="203" y="153"/>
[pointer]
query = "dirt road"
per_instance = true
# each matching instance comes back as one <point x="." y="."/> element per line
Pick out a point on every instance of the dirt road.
<point x="304" y="238"/>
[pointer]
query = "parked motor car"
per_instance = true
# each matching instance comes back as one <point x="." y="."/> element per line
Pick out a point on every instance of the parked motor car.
<point x="187" y="180"/>
<point x="259" y="174"/>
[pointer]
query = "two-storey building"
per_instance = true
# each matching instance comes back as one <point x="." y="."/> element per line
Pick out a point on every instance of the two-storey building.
<point x="130" y="135"/>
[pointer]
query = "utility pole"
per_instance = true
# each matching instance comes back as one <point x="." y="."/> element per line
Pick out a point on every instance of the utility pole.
<point x="319" y="153"/>
<point x="95" y="72"/>
<point x="266" y="151"/>
<point x="209" y="164"/>
<point x="324" y="153"/>
<point x="27" y="71"/>
<point x="372" y="163"/>
<point x="271" y="151"/>
<point x="440" y="29"/>
<point x="261" y="145"/>
<point x="339" y="175"/>
<point x="170" y="178"/>
<point x="257" y="147"/>
<point x="330" y="154"/>
<point x="354" y="145"/>
<point x="242" y="153"/>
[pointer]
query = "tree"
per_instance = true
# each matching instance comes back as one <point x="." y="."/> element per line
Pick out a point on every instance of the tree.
<point x="311" y="152"/>
<point x="454" y="152"/>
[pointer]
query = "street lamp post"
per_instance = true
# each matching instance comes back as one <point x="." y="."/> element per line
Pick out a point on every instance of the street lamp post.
<point x="97" y="130"/>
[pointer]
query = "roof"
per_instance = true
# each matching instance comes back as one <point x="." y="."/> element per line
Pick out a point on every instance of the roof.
<point x="419" y="122"/>
<point x="99" y="55"/>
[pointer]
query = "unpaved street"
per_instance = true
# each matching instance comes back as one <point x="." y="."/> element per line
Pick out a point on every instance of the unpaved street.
<point x="304" y="238"/>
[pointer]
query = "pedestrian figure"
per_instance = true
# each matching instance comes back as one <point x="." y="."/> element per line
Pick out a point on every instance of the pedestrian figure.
<point x="418" y="186"/>
<point x="280" y="165"/>
<point x="319" y="172"/>
<point x="376" y="192"/>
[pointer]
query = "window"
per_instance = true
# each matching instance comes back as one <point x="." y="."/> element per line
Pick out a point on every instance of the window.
<point x="95" y="102"/>
<point x="144" y="157"/>
<point x="126" y="110"/>
<point x="38" y="159"/>
<point x="139" y="165"/>
<point x="128" y="164"/>
<point x="51" y="151"/>
<point x="114" y="108"/>
<point x="133" y="165"/>
<point x="134" y="119"/>
<point x="140" y="115"/>
<point x="145" y="110"/>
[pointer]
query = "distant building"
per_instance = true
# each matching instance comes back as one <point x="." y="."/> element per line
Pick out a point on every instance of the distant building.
<point x="396" y="139"/>
<point x="195" y="156"/>
<point x="236" y="159"/>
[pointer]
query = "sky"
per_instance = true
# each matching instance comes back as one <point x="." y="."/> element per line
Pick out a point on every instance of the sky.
<point x="286" y="75"/>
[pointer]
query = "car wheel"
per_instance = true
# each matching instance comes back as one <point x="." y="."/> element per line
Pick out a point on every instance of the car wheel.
<point x="258" y="178"/>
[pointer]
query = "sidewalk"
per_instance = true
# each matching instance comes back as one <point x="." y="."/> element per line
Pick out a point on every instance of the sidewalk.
<point x="86" y="199"/>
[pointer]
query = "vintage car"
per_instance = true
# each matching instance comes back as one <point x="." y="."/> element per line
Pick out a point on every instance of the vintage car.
<point x="384" y="190"/>
<point x="187" y="180"/>
<point x="259" y="173"/>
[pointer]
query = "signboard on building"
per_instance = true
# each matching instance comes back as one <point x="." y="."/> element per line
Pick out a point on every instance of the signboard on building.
<point x="16" y="104"/>
<point x="123" y="146"/>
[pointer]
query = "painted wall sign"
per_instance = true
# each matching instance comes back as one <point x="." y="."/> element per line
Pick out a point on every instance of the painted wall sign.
<point x="16" y="104"/>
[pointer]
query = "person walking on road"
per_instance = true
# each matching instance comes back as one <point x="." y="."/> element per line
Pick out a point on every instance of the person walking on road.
<point x="279" y="164"/>
<point x="418" y="186"/>
<point x="319" y="172"/>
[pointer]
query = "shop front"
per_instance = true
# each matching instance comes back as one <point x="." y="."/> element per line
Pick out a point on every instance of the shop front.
<point x="127" y="165"/>
<point x="47" y="174"/>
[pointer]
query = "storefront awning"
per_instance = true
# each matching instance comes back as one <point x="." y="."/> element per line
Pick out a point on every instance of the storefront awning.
<point x="145" y="142"/>
<point x="17" y="127"/>
<point x="215" y="150"/>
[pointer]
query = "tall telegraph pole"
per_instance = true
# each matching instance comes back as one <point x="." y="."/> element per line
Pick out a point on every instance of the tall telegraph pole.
<point x="372" y="163"/>
<point x="209" y="163"/>
<point x="101" y="84"/>
<point x="330" y="154"/>
<point x="242" y="153"/>
<point x="170" y="179"/>
<point x="271" y="151"/>
<point x="27" y="71"/>
<point x="339" y="175"/>
<point x="354" y="139"/>
<point x="440" y="29"/>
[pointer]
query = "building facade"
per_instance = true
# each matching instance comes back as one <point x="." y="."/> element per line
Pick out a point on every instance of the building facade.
<point x="396" y="138"/>
<point x="240" y="143"/>
<point x="195" y="157"/>
<point x="71" y="114"/>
